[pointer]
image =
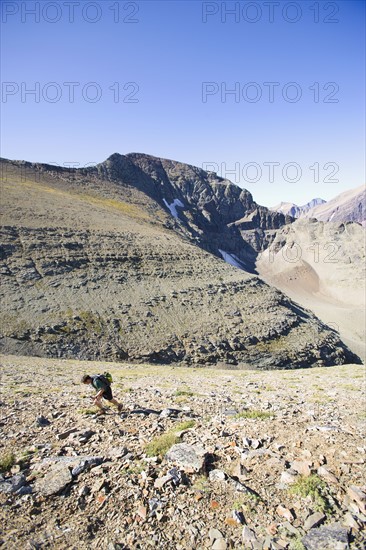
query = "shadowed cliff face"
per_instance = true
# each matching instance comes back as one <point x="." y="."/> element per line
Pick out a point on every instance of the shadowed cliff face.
<point x="97" y="263"/>
<point x="213" y="212"/>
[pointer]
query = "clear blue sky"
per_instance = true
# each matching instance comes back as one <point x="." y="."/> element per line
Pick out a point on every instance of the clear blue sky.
<point x="171" y="50"/>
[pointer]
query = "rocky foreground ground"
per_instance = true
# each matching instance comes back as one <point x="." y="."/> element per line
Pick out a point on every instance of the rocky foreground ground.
<point x="198" y="459"/>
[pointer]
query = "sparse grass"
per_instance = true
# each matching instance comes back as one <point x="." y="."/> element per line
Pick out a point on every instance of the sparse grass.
<point x="160" y="445"/>
<point x="181" y="399"/>
<point x="86" y="410"/>
<point x="135" y="468"/>
<point x="350" y="387"/>
<point x="237" y="505"/>
<point x="184" y="425"/>
<point x="7" y="460"/>
<point x="202" y="484"/>
<point x="122" y="389"/>
<point x="186" y="393"/>
<point x="320" y="399"/>
<point x="258" y="415"/>
<point x="314" y="488"/>
<point x="25" y="457"/>
<point x="296" y="544"/>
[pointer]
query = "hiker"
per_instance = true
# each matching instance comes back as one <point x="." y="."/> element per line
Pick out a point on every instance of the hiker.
<point x="103" y="387"/>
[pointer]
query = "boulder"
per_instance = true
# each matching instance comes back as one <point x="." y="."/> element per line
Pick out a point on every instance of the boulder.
<point x="327" y="537"/>
<point x="187" y="457"/>
<point x="54" y="481"/>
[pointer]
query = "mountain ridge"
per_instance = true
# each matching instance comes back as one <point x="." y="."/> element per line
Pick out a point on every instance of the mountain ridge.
<point x="95" y="267"/>
<point x="292" y="209"/>
<point x="347" y="206"/>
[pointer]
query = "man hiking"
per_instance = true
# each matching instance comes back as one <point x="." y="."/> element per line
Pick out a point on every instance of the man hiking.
<point x="103" y="388"/>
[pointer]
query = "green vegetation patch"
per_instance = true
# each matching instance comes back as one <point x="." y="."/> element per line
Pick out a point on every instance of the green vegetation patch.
<point x="296" y="544"/>
<point x="186" y="425"/>
<point x="93" y="410"/>
<point x="7" y="460"/>
<point x="258" y="415"/>
<point x="187" y="393"/>
<point x="160" y="445"/>
<point x="314" y="488"/>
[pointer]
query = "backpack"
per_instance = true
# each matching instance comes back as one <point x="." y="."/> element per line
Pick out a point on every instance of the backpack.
<point x="106" y="378"/>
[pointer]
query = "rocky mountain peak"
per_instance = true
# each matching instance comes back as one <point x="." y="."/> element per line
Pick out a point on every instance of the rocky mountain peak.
<point x="212" y="211"/>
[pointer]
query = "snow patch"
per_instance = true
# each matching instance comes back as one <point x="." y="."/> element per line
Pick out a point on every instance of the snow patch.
<point x="231" y="259"/>
<point x="173" y="207"/>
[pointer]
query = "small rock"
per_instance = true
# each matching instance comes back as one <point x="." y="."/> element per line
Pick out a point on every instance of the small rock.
<point x="285" y="513"/>
<point x="84" y="491"/>
<point x="327" y="475"/>
<point x="359" y="496"/>
<point x="287" y="477"/>
<point x="349" y="521"/>
<point x="25" y="490"/>
<point x="65" y="435"/>
<point x="85" y="464"/>
<point x="219" y="544"/>
<point x="272" y="529"/>
<point x="215" y="534"/>
<point x="279" y="544"/>
<point x="42" y="421"/>
<point x="85" y="436"/>
<point x="301" y="467"/>
<point x="290" y="528"/>
<point x="166" y="413"/>
<point x="142" y="512"/>
<point x="248" y="535"/>
<point x="314" y="520"/>
<point x="176" y="476"/>
<point x="117" y="452"/>
<point x="238" y="517"/>
<point x="161" y="481"/>
<point x="217" y="475"/>
<point x="241" y="488"/>
<point x="13" y="484"/>
<point x="155" y="505"/>
<point x="230" y="412"/>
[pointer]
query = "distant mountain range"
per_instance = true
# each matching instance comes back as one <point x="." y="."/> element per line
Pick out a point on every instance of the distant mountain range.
<point x="292" y="209"/>
<point x="346" y="207"/>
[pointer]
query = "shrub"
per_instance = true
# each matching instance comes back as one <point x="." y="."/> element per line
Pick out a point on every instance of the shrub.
<point x="187" y="393"/>
<point x="160" y="445"/>
<point x="7" y="460"/>
<point x="184" y="425"/>
<point x="314" y="488"/>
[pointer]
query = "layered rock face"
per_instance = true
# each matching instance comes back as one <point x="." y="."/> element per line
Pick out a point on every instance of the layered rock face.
<point x="95" y="265"/>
